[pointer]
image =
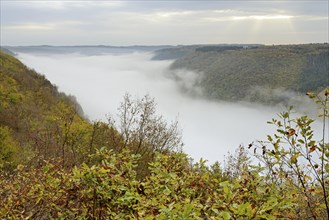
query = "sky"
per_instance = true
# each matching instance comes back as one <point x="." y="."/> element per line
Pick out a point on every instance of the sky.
<point x="152" y="22"/>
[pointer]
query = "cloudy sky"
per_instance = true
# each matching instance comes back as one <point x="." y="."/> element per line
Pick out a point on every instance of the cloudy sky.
<point x="152" y="22"/>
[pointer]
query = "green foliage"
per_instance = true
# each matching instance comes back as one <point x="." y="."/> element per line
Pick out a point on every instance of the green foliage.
<point x="261" y="74"/>
<point x="9" y="150"/>
<point x="7" y="51"/>
<point x="175" y="189"/>
<point x="173" y="53"/>
<point x="8" y="91"/>
<point x="43" y="122"/>
<point x="295" y="160"/>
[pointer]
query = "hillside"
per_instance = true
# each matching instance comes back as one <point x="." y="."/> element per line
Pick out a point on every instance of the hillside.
<point x="254" y="73"/>
<point x="174" y="53"/>
<point x="34" y="116"/>
<point x="54" y="164"/>
<point x="38" y="123"/>
<point x="7" y="51"/>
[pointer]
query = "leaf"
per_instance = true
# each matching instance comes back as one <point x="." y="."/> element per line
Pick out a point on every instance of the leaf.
<point x="269" y="138"/>
<point x="311" y="190"/>
<point x="285" y="115"/>
<point x="313" y="148"/>
<point x="306" y="177"/>
<point x="291" y="132"/>
<point x="226" y="215"/>
<point x="301" y="141"/>
<point x="166" y="191"/>
<point x="310" y="94"/>
<point x="293" y="159"/>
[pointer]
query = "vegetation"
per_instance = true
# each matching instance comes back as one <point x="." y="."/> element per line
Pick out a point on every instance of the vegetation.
<point x="54" y="164"/>
<point x="173" y="53"/>
<point x="7" y="51"/>
<point x="45" y="124"/>
<point x="255" y="73"/>
<point x="294" y="160"/>
<point x="42" y="122"/>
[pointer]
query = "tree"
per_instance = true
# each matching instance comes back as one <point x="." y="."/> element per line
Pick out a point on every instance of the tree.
<point x="144" y="132"/>
<point x="295" y="160"/>
<point x="235" y="165"/>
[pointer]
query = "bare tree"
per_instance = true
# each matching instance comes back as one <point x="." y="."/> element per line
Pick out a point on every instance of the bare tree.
<point x="142" y="130"/>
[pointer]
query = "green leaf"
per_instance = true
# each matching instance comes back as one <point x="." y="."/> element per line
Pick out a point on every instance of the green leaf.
<point x="226" y="215"/>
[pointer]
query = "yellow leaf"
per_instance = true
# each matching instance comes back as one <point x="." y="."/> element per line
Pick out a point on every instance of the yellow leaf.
<point x="293" y="159"/>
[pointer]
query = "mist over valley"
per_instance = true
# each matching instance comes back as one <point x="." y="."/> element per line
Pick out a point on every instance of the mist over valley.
<point x="107" y="107"/>
<point x="210" y="128"/>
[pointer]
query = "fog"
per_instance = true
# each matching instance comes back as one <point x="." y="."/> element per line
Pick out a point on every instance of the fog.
<point x="210" y="129"/>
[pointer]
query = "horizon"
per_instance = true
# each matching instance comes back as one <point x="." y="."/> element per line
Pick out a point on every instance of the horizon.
<point x="160" y="45"/>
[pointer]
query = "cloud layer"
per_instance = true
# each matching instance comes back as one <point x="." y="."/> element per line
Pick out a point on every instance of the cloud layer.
<point x="210" y="129"/>
<point x="162" y="22"/>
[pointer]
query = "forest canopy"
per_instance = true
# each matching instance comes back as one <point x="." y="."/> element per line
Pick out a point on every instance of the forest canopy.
<point x="256" y="73"/>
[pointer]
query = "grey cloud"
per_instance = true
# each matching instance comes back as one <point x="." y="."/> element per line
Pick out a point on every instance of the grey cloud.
<point x="160" y="22"/>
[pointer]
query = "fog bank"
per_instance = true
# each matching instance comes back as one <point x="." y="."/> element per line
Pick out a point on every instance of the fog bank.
<point x="210" y="129"/>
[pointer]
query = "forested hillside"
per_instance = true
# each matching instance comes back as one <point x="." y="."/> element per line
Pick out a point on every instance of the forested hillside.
<point x="54" y="164"/>
<point x="173" y="53"/>
<point x="254" y="73"/>
<point x="42" y="123"/>
<point x="34" y="116"/>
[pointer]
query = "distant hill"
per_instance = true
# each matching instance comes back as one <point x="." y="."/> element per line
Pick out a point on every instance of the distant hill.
<point x="173" y="53"/>
<point x="254" y="73"/>
<point x="88" y="50"/>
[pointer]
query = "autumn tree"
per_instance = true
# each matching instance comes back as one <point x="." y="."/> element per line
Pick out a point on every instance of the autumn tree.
<point x="296" y="161"/>
<point x="144" y="132"/>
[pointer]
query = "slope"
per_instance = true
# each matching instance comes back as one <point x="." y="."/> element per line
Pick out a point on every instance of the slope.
<point x="260" y="73"/>
<point x="35" y="118"/>
<point x="38" y="123"/>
